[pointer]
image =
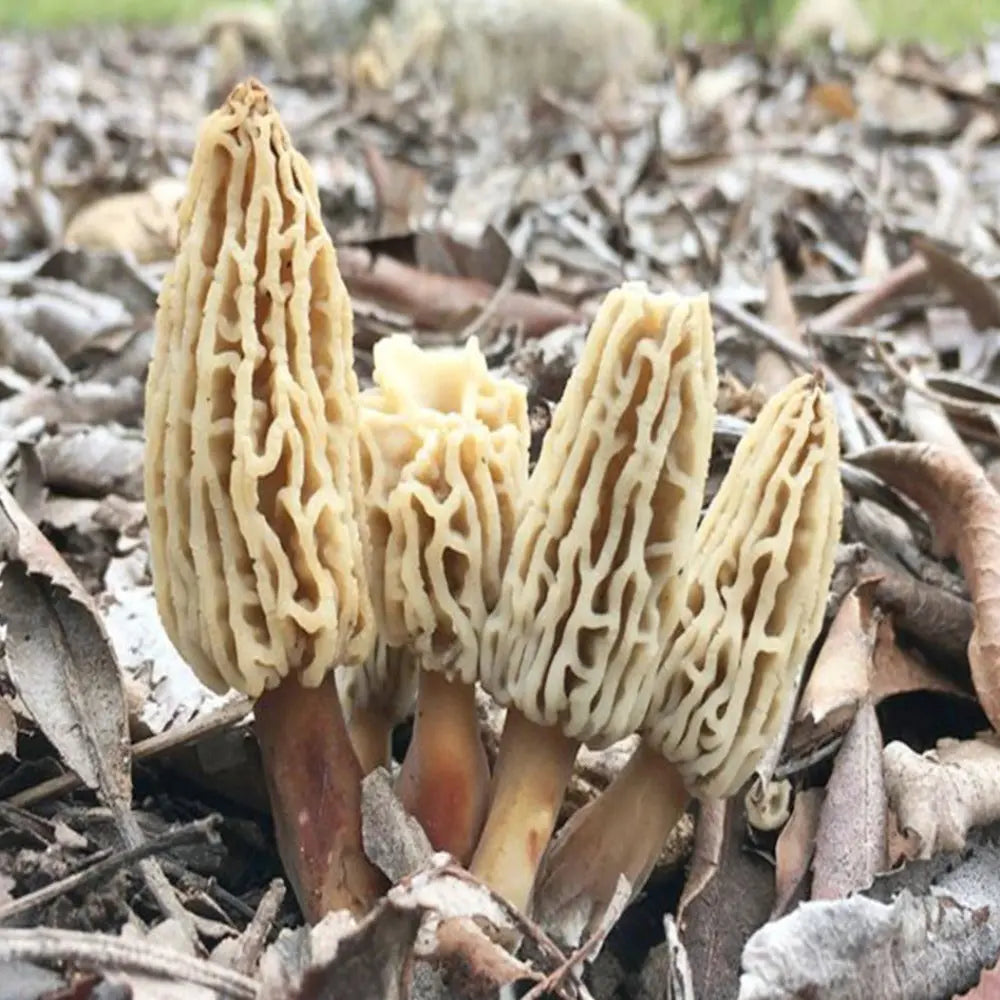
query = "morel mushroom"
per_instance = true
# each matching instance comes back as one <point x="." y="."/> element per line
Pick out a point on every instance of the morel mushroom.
<point x="448" y="452"/>
<point x="253" y="482"/>
<point x="756" y="593"/>
<point x="376" y="697"/>
<point x="612" y="508"/>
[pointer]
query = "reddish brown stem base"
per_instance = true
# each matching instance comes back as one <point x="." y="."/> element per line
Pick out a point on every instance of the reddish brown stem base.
<point x="314" y="784"/>
<point x="445" y="780"/>
<point x="534" y="765"/>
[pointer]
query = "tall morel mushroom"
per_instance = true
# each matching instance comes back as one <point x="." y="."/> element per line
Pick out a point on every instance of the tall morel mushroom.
<point x="756" y="592"/>
<point x="253" y="483"/>
<point x="446" y="460"/>
<point x="612" y="507"/>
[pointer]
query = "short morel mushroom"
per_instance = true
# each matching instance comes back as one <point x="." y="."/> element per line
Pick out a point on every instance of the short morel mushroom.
<point x="756" y="593"/>
<point x="253" y="483"/>
<point x="376" y="697"/>
<point x="613" y="503"/>
<point x="446" y="460"/>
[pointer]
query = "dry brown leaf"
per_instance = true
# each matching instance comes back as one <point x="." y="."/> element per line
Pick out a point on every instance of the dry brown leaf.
<point x="841" y="676"/>
<point x="835" y="98"/>
<point x="973" y="293"/>
<point x="8" y="729"/>
<point x="772" y="371"/>
<point x="898" y="671"/>
<point x="964" y="511"/>
<point x="445" y="302"/>
<point x="793" y="853"/>
<point x="940" y="796"/>
<point x="850" y="840"/>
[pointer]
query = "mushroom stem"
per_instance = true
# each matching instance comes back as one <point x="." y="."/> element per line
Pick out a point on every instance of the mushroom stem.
<point x="445" y="779"/>
<point x="371" y="737"/>
<point x="314" y="784"/>
<point x="621" y="832"/>
<point x="534" y="764"/>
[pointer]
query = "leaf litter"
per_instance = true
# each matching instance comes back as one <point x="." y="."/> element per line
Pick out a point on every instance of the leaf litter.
<point x="835" y="208"/>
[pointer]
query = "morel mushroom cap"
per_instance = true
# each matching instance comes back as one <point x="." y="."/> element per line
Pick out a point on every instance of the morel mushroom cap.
<point x="757" y="588"/>
<point x="444" y="454"/>
<point x="596" y="565"/>
<point x="253" y="476"/>
<point x="446" y="457"/>
<point x="612" y="509"/>
<point x="253" y="481"/>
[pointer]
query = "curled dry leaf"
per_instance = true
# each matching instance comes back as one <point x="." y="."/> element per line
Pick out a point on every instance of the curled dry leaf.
<point x="964" y="510"/>
<point x="794" y="850"/>
<point x="59" y="657"/>
<point x="940" y="796"/>
<point x="850" y="840"/>
<point x="918" y="947"/>
<point x="431" y="916"/>
<point x="841" y="676"/>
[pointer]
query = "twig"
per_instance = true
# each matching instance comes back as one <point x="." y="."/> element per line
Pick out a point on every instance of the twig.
<point x="176" y="736"/>
<point x="771" y="335"/>
<point x="252" y="940"/>
<point x="102" y="952"/>
<point x="30" y="902"/>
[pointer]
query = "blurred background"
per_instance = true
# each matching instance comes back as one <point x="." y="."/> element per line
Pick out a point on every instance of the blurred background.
<point x="947" y="24"/>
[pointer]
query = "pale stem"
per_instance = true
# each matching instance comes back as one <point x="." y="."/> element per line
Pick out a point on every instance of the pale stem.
<point x="533" y="768"/>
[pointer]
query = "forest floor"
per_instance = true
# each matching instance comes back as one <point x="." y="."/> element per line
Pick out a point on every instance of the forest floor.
<point x="842" y="215"/>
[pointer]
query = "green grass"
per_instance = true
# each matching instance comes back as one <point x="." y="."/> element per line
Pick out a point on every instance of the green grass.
<point x="946" y="23"/>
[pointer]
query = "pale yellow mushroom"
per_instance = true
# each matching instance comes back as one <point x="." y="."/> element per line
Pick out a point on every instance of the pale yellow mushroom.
<point x="253" y="483"/>
<point x="445" y="455"/>
<point x="596" y="565"/>
<point x="756" y="591"/>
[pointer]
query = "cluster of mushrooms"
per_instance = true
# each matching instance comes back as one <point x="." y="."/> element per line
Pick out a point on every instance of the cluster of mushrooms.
<point x="314" y="545"/>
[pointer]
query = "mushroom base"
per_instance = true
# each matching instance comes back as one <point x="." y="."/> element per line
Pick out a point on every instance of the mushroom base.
<point x="533" y="768"/>
<point x="445" y="780"/>
<point x="314" y="784"/>
<point x="620" y="833"/>
<point x="371" y="737"/>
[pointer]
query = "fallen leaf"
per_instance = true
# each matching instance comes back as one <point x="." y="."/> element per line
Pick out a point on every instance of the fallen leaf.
<point x="772" y="372"/>
<point x="964" y="511"/>
<point x="917" y="948"/>
<point x="728" y="895"/>
<point x="8" y="729"/>
<point x="432" y="916"/>
<point x="793" y="852"/>
<point x="62" y="665"/>
<point x="974" y="294"/>
<point x="841" y="675"/>
<point x="59" y="657"/>
<point x="93" y="462"/>
<point x="835" y="98"/>
<point x="850" y="840"/>
<point x="443" y="302"/>
<point x="938" y="797"/>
